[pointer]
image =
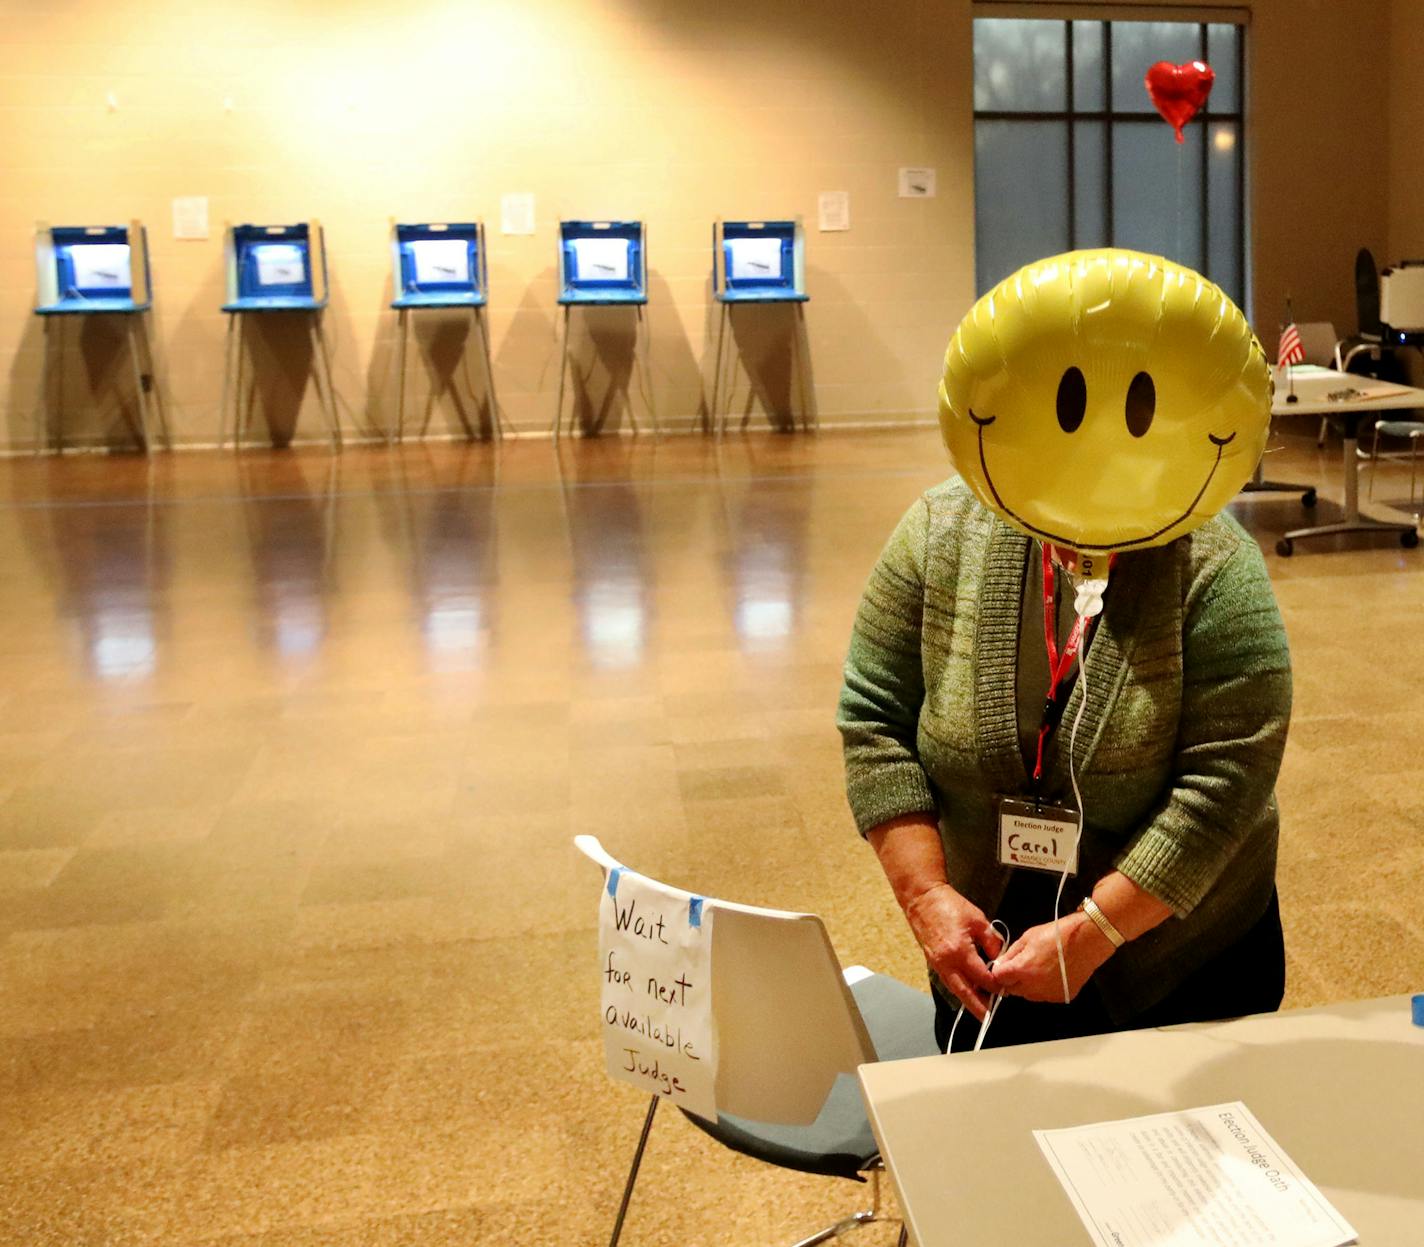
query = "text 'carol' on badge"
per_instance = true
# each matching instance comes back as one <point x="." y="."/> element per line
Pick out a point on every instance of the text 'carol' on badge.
<point x="1038" y="836"/>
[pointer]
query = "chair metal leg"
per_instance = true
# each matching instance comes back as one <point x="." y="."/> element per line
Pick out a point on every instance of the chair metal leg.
<point x="633" y="1172"/>
<point x="1374" y="461"/>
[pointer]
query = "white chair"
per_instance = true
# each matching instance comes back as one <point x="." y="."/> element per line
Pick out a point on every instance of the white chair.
<point x="791" y="1030"/>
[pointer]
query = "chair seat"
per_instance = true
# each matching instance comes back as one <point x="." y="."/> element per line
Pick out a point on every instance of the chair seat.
<point x="1401" y="428"/>
<point x="839" y="1143"/>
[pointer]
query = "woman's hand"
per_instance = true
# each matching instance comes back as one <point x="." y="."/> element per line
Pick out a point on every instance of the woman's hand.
<point x="1030" y="966"/>
<point x="957" y="941"/>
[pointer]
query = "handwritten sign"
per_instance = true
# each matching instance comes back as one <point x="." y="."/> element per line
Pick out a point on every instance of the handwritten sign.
<point x="655" y="969"/>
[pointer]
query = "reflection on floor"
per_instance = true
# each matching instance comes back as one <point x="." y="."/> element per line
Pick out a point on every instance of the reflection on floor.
<point x="294" y="948"/>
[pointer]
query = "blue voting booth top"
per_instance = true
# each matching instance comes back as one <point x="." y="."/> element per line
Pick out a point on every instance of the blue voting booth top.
<point x="770" y="276"/>
<point x="274" y="269"/>
<point x="439" y="265"/>
<point x="88" y="285"/>
<point x="602" y="262"/>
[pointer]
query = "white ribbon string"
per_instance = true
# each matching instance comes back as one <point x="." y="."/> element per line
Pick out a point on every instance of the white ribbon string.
<point x="993" y="1000"/>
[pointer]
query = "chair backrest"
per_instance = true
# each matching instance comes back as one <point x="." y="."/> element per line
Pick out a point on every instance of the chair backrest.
<point x="1367" y="292"/>
<point x="1317" y="340"/>
<point x="787" y="1024"/>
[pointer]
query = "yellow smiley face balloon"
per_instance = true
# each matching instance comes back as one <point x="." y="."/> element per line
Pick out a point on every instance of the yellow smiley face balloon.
<point x="1105" y="400"/>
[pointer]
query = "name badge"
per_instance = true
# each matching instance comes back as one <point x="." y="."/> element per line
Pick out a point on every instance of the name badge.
<point x="1038" y="836"/>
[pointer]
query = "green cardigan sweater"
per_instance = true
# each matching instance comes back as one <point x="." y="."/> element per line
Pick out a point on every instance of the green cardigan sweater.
<point x="1188" y="699"/>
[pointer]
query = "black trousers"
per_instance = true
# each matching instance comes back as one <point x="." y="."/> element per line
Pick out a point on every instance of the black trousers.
<point x="1247" y="977"/>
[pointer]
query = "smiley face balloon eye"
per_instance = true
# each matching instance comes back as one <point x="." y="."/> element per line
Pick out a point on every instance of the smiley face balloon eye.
<point x="1141" y="404"/>
<point x="1072" y="400"/>
<point x="1105" y="400"/>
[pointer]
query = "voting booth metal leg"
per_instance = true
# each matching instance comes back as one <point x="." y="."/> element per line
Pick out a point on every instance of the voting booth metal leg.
<point x="156" y="404"/>
<point x="557" y="426"/>
<point x="714" y="413"/>
<point x="633" y="1171"/>
<point x="402" y="332"/>
<point x="810" y="414"/>
<point x="47" y="417"/>
<point x="242" y="404"/>
<point x="323" y="361"/>
<point x="648" y="371"/>
<point x="497" y="420"/>
<point x="140" y="390"/>
<point x="226" y="381"/>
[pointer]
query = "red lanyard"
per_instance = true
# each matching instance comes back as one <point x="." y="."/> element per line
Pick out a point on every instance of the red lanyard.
<point x="1059" y="665"/>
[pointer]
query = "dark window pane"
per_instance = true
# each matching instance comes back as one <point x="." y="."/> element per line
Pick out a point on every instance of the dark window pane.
<point x="1019" y="66"/>
<point x="1021" y="195"/>
<point x="1090" y="218"/>
<point x="1222" y="44"/>
<point x="1224" y="206"/>
<point x="1088" y="90"/>
<point x="1157" y="191"/>
<point x="1136" y="46"/>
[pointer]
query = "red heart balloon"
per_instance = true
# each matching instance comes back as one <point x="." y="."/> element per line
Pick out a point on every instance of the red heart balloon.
<point x="1179" y="91"/>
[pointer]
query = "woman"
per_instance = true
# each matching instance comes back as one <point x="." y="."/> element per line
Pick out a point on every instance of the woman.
<point x="1176" y="725"/>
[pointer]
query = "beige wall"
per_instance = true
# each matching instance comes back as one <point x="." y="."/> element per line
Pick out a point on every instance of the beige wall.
<point x="1406" y="125"/>
<point x="280" y="110"/>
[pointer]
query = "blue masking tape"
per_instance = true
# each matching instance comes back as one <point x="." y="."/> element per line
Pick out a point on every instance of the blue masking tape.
<point x="694" y="911"/>
<point x="613" y="876"/>
<point x="1417" y="1007"/>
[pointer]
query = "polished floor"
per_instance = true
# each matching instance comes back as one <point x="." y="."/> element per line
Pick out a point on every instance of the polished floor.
<point x="294" y="947"/>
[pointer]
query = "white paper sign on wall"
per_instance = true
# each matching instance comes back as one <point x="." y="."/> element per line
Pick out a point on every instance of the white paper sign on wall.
<point x="917" y="183"/>
<point x="834" y="211"/>
<point x="516" y="213"/>
<point x="190" y="217"/>
<point x="655" y="969"/>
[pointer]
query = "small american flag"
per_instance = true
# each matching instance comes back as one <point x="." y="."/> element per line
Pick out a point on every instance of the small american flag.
<point x="1291" y="351"/>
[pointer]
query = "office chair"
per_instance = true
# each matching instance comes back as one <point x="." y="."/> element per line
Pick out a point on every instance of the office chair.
<point x="791" y="1030"/>
<point x="1364" y="352"/>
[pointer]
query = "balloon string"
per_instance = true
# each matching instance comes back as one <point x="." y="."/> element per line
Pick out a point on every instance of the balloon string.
<point x="1181" y="197"/>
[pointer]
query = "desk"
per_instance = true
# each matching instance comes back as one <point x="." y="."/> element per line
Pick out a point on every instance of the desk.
<point x="1341" y="1089"/>
<point x="1312" y="389"/>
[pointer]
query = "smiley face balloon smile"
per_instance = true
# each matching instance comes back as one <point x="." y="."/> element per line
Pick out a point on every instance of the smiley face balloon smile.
<point x="1105" y="400"/>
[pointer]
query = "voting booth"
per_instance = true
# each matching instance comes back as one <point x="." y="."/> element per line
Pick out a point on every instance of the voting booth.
<point x="442" y="266"/>
<point x="761" y="262"/>
<point x="273" y="269"/>
<point x="88" y="270"/>
<point x="604" y="263"/>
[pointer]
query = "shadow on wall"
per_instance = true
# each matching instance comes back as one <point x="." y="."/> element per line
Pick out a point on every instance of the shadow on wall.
<point x="444" y="360"/>
<point x="767" y="345"/>
<point x="279" y="369"/>
<point x="627" y="373"/>
<point x="72" y="384"/>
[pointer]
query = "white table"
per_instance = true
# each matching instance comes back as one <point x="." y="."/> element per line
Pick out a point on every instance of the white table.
<point x="1312" y="388"/>
<point x="1341" y="1089"/>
